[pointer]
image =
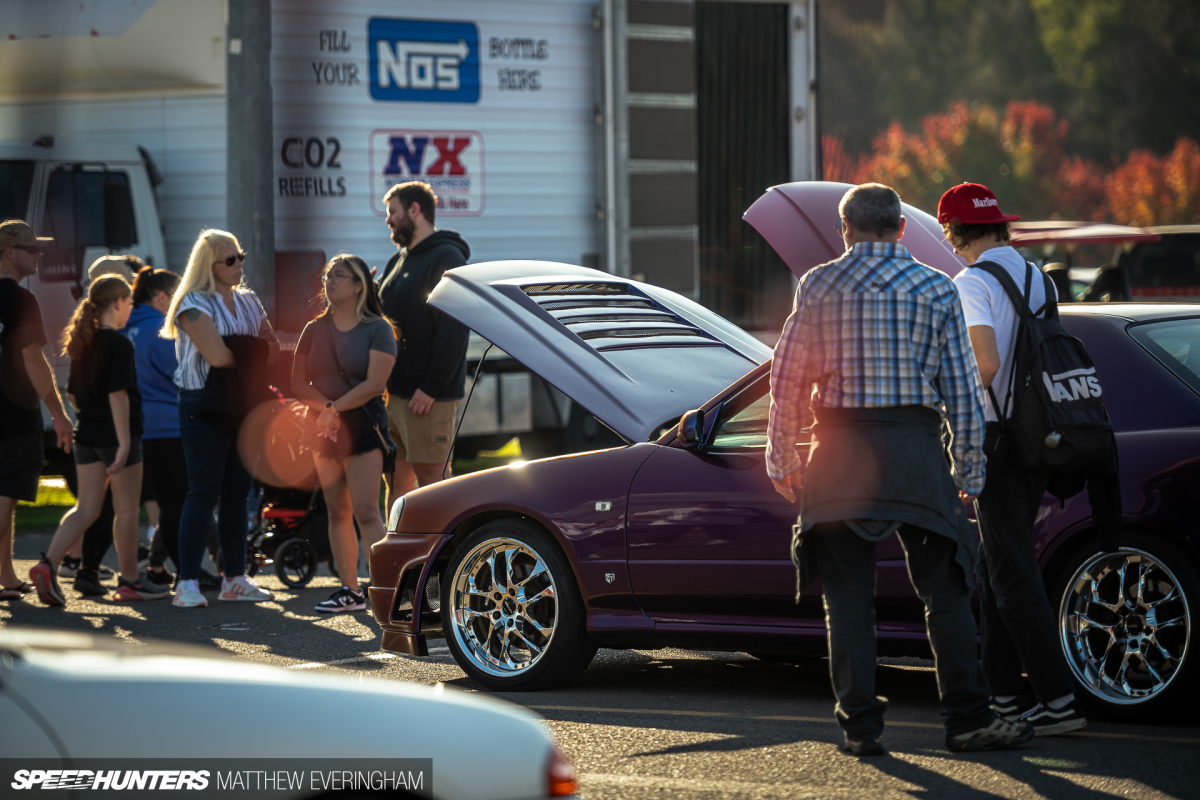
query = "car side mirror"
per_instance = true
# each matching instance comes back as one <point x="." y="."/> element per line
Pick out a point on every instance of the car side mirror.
<point x="691" y="428"/>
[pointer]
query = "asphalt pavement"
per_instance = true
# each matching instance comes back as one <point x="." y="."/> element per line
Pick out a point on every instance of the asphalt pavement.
<point x="673" y="723"/>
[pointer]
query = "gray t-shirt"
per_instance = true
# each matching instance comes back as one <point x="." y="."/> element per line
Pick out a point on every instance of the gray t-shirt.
<point x="353" y="351"/>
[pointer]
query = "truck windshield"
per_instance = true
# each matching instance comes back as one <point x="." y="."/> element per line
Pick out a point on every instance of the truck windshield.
<point x="16" y="179"/>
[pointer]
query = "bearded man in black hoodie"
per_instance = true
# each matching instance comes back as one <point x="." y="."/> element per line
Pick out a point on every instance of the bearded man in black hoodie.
<point x="427" y="380"/>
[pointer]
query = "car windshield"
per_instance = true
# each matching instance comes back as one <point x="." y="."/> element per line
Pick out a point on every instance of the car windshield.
<point x="1176" y="343"/>
<point x="16" y="178"/>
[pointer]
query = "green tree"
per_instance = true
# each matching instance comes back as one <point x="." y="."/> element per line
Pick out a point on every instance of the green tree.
<point x="1133" y="69"/>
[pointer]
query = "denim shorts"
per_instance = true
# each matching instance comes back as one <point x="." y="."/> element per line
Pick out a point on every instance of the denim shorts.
<point x="86" y="454"/>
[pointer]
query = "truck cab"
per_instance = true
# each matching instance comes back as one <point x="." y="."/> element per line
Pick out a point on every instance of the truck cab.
<point x="93" y="199"/>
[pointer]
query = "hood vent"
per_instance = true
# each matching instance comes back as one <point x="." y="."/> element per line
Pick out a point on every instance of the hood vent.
<point x="616" y="316"/>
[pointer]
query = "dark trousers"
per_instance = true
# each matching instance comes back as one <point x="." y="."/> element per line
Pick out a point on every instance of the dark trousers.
<point x="1017" y="625"/>
<point x="216" y="477"/>
<point x="166" y="472"/>
<point x="846" y="564"/>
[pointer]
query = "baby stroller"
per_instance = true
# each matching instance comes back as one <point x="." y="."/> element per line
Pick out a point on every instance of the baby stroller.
<point x="290" y="533"/>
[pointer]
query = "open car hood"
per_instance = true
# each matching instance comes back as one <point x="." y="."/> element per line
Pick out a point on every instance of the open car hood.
<point x="634" y="355"/>
<point x="799" y="221"/>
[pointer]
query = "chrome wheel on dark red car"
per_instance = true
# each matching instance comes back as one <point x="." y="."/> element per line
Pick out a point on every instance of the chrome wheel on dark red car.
<point x="511" y="610"/>
<point x="1125" y="620"/>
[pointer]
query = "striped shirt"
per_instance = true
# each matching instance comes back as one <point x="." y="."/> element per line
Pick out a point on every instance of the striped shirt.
<point x="875" y="329"/>
<point x="193" y="369"/>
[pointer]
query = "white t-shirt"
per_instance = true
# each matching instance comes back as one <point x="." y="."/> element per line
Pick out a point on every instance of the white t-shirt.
<point x="985" y="302"/>
<point x="193" y="369"/>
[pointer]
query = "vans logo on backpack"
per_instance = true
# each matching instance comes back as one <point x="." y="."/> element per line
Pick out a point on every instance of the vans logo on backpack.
<point x="1078" y="384"/>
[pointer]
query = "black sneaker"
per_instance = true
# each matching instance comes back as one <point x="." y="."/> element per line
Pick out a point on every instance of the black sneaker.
<point x="1012" y="710"/>
<point x="343" y="601"/>
<point x="1048" y="721"/>
<point x="996" y="736"/>
<point x="87" y="583"/>
<point x="863" y="748"/>
<point x="209" y="581"/>
<point x="69" y="567"/>
<point x="161" y="578"/>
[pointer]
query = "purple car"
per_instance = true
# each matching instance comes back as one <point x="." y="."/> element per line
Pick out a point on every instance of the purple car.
<point x="677" y="539"/>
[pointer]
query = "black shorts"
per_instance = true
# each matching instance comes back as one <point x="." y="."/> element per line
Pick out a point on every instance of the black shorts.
<point x="363" y="429"/>
<point x="20" y="466"/>
<point x="86" y="454"/>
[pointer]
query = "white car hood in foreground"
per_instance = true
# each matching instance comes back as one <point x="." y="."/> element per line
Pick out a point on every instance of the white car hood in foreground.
<point x="224" y="708"/>
<point x="634" y="355"/>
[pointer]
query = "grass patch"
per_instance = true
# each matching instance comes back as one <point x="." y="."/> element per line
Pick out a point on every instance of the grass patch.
<point x="53" y="500"/>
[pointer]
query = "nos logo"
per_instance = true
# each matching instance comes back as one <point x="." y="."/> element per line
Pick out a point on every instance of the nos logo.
<point x="1078" y="384"/>
<point x="416" y="60"/>
<point x="451" y="162"/>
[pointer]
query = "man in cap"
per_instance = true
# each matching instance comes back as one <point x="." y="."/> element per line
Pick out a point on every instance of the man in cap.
<point x="1016" y="623"/>
<point x="881" y="338"/>
<point x="25" y="381"/>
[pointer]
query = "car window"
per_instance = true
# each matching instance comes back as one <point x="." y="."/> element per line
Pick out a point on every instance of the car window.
<point x="1176" y="343"/>
<point x="743" y="420"/>
<point x="76" y="210"/>
<point x="16" y="178"/>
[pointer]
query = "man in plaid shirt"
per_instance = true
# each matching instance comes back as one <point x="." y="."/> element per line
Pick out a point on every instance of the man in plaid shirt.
<point x="876" y="353"/>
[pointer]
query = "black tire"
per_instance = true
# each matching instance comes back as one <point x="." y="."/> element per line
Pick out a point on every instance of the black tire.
<point x="520" y="656"/>
<point x="296" y="562"/>
<point x="1151" y="629"/>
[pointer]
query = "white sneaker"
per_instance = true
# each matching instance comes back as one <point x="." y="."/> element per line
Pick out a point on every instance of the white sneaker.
<point x="242" y="588"/>
<point x="187" y="595"/>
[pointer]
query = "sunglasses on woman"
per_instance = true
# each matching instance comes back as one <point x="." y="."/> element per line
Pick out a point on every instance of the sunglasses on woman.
<point x="229" y="262"/>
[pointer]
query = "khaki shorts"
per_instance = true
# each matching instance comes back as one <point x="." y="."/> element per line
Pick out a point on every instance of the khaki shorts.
<point x="422" y="440"/>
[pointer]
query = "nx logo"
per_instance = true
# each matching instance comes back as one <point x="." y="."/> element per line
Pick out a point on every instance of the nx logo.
<point x="451" y="162"/>
<point x="416" y="60"/>
<point x="1078" y="384"/>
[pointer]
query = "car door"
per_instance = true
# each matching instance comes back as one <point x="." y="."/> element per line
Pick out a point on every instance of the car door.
<point x="709" y="539"/>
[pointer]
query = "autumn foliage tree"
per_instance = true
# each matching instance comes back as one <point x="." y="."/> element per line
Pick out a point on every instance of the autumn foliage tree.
<point x="1146" y="190"/>
<point x="1018" y="155"/>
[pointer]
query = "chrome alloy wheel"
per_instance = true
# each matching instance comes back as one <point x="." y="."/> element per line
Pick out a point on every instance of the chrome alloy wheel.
<point x="505" y="607"/>
<point x="1125" y="626"/>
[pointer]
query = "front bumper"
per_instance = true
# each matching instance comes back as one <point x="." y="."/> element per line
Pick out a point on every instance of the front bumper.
<point x="405" y="601"/>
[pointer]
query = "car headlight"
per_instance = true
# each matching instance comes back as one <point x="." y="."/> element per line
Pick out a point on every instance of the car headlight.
<point x="394" y="516"/>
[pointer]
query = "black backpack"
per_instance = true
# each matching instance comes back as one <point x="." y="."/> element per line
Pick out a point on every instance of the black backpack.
<point x="1059" y="422"/>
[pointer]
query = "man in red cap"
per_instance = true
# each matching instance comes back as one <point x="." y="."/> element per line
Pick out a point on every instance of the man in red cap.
<point x="1017" y="624"/>
<point x="26" y="381"/>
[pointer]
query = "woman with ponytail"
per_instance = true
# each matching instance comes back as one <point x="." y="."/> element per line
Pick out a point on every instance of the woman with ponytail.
<point x="166" y="470"/>
<point x="108" y="438"/>
<point x="341" y="367"/>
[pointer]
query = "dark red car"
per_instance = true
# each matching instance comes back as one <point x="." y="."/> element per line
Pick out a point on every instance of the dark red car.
<point x="678" y="539"/>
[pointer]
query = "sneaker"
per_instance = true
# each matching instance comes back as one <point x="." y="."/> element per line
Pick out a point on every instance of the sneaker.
<point x="1012" y="710"/>
<point x="128" y="591"/>
<point x="863" y="748"/>
<point x="163" y="578"/>
<point x="1047" y="721"/>
<point x="87" y="583"/>
<point x="242" y="588"/>
<point x="209" y="581"/>
<point x="187" y="595"/>
<point x="69" y="567"/>
<point x="105" y="573"/>
<point x="43" y="577"/>
<point x="143" y="558"/>
<point x="342" y="601"/>
<point x="998" y="735"/>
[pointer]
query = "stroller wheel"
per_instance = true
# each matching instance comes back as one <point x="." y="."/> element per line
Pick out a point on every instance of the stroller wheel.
<point x="296" y="562"/>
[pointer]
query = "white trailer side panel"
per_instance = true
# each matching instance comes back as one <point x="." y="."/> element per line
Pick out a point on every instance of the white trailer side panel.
<point x="506" y="87"/>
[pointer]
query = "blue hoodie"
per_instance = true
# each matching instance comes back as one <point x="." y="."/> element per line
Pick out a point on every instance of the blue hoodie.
<point x="156" y="365"/>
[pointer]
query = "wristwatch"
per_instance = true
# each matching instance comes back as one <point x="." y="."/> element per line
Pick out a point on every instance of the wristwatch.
<point x="329" y="407"/>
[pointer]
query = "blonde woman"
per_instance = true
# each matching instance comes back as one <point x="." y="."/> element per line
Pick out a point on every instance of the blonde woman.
<point x="209" y="304"/>
<point x="341" y="367"/>
<point x="108" y="438"/>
